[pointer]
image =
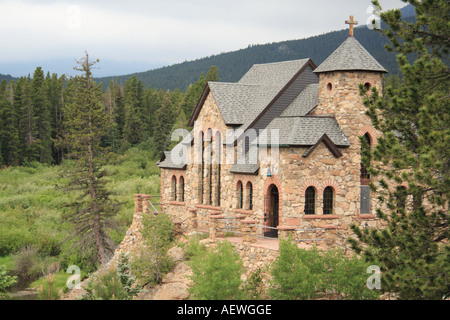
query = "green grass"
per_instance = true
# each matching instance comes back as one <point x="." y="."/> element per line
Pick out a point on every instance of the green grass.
<point x="7" y="261"/>
<point x="32" y="207"/>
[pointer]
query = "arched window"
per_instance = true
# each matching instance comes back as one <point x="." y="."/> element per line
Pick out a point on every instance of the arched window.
<point x="181" y="197"/>
<point x="219" y="163"/>
<point x="174" y="188"/>
<point x="250" y="195"/>
<point x="365" y="176"/>
<point x="202" y="178"/>
<point x="328" y="200"/>
<point x="310" y="201"/>
<point x="210" y="163"/>
<point x="240" y="195"/>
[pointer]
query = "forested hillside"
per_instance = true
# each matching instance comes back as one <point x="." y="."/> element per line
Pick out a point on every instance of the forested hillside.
<point x="233" y="65"/>
<point x="32" y="114"/>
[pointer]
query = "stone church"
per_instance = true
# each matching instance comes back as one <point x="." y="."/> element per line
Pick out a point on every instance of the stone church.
<point x="280" y="147"/>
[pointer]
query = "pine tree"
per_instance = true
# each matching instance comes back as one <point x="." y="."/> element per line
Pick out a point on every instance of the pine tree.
<point x="85" y="124"/>
<point x="56" y="101"/>
<point x="193" y="95"/>
<point x="41" y="117"/>
<point x="166" y="119"/>
<point x="8" y="127"/>
<point x="134" y="125"/>
<point x="212" y="74"/>
<point x="414" y="119"/>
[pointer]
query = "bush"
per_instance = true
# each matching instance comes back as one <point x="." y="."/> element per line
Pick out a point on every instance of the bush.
<point x="27" y="265"/>
<point x="312" y="274"/>
<point x="48" y="290"/>
<point x="6" y="281"/>
<point x="152" y="261"/>
<point x="105" y="286"/>
<point x="216" y="273"/>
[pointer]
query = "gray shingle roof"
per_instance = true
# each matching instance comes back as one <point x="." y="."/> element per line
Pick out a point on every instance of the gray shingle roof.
<point x="240" y="103"/>
<point x="306" y="131"/>
<point x="233" y="100"/>
<point x="304" y="103"/>
<point x="350" y="55"/>
<point x="248" y="164"/>
<point x="170" y="162"/>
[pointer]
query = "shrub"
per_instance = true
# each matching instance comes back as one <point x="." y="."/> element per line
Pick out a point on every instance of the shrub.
<point x="48" y="290"/>
<point x="216" y="273"/>
<point x="311" y="274"/>
<point x="27" y="264"/>
<point x="6" y="281"/>
<point x="152" y="261"/>
<point x="105" y="286"/>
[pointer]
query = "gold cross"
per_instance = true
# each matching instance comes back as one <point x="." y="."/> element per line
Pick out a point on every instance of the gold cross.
<point x="352" y="22"/>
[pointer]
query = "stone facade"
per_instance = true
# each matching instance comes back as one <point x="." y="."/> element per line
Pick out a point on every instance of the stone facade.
<point x="213" y="193"/>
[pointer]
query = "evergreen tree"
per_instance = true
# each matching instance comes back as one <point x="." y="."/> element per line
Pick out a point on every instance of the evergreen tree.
<point x="414" y="119"/>
<point x="212" y="74"/>
<point x="41" y="117"/>
<point x="8" y="127"/>
<point x="133" y="127"/>
<point x="56" y="101"/>
<point x="164" y="125"/>
<point x="85" y="124"/>
<point x="22" y="106"/>
<point x="193" y="95"/>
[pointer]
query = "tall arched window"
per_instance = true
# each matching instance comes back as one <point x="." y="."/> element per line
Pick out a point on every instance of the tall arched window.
<point x="328" y="200"/>
<point x="250" y="195"/>
<point x="240" y="195"/>
<point x="202" y="172"/>
<point x="210" y="163"/>
<point x="219" y="163"/>
<point x="181" y="197"/>
<point x="310" y="201"/>
<point x="174" y="188"/>
<point x="365" y="176"/>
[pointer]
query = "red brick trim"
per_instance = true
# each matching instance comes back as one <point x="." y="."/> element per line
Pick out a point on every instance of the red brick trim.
<point x="320" y="217"/>
<point x="373" y="133"/>
<point x="177" y="203"/>
<point x="203" y="206"/>
<point x="243" y="211"/>
<point x="310" y="183"/>
<point x="267" y="188"/>
<point x="330" y="183"/>
<point x="367" y="216"/>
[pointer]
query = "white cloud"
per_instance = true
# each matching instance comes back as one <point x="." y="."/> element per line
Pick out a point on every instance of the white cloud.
<point x="162" y="31"/>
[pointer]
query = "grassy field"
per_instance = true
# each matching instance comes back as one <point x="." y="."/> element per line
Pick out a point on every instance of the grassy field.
<point x="32" y="205"/>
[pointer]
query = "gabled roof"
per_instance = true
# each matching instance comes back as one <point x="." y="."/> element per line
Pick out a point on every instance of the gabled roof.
<point x="328" y="143"/>
<point x="307" y="131"/>
<point x="304" y="103"/>
<point x="170" y="160"/>
<point x="242" y="102"/>
<point x="167" y="162"/>
<point x="350" y="56"/>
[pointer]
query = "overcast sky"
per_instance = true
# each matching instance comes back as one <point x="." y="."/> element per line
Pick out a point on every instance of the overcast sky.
<point x="136" y="35"/>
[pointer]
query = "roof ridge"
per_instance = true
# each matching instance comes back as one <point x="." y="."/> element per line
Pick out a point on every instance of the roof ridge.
<point x="281" y="62"/>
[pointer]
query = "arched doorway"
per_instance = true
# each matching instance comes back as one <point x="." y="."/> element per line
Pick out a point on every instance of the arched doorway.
<point x="272" y="215"/>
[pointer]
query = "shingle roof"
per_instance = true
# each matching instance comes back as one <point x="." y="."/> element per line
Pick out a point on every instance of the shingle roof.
<point x="350" y="55"/>
<point x="169" y="162"/>
<point x="304" y="103"/>
<point x="306" y="131"/>
<point x="240" y="103"/>
<point x="233" y="100"/>
<point x="248" y="164"/>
